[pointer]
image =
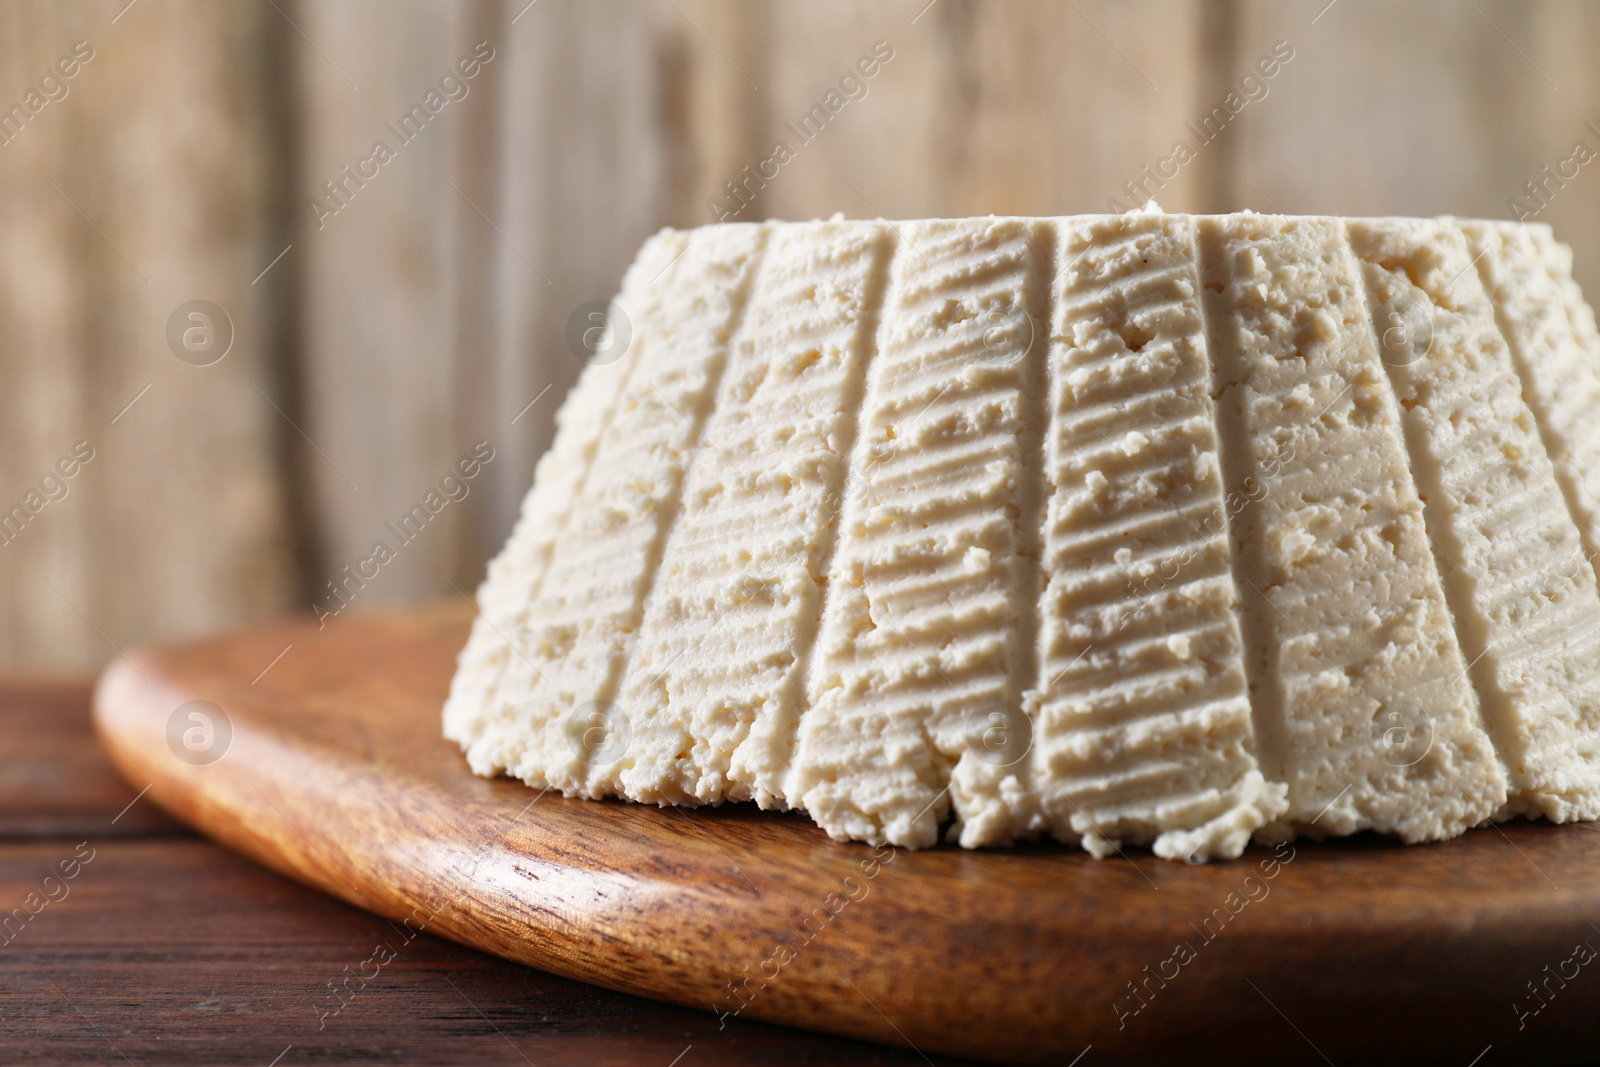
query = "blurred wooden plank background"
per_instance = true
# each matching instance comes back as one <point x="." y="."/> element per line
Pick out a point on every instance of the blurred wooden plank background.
<point x="149" y="181"/>
<point x="374" y="345"/>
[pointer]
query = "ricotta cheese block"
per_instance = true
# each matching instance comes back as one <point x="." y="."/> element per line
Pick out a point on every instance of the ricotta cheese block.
<point x="1150" y="530"/>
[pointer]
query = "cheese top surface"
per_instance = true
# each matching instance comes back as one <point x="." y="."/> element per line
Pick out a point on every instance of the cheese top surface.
<point x="1152" y="529"/>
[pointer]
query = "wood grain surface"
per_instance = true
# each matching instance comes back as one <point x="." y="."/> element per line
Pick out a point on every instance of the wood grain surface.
<point x="54" y="784"/>
<point x="1353" y="951"/>
<point x="165" y="948"/>
<point x="150" y="183"/>
<point x="430" y="312"/>
<point x="176" y="951"/>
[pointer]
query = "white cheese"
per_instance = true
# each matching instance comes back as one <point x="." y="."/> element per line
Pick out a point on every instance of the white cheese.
<point x="1525" y="614"/>
<point x="1551" y="335"/>
<point x="1360" y="691"/>
<point x="580" y="625"/>
<point x="1144" y="731"/>
<point x="475" y="715"/>
<point x="716" y="685"/>
<point x="915" y="689"/>
<point x="1127" y="530"/>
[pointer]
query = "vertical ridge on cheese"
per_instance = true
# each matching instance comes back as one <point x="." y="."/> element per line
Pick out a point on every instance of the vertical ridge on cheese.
<point x="1580" y="316"/>
<point x="1355" y="668"/>
<point x="1144" y="731"/>
<point x="512" y="583"/>
<point x="1558" y="260"/>
<point x="914" y="652"/>
<point x="1524" y="273"/>
<point x="582" y="622"/>
<point x="712" y="693"/>
<point x="1006" y="746"/>
<point x="1499" y="524"/>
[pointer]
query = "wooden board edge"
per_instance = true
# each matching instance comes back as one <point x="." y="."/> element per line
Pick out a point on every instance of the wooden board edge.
<point x="133" y="695"/>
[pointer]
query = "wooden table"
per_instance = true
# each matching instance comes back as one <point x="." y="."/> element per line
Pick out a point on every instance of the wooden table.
<point x="164" y="948"/>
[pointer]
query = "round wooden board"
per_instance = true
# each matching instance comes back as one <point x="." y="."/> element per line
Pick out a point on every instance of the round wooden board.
<point x="1351" y="951"/>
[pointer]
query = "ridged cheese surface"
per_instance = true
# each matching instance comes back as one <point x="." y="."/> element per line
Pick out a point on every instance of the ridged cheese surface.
<point x="1525" y="607"/>
<point x="918" y="638"/>
<point x="1159" y="530"/>
<point x="1361" y="696"/>
<point x="1144" y="731"/>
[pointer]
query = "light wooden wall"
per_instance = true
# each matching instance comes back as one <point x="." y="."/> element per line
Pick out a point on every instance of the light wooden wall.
<point x="430" y="311"/>
<point x="151" y="183"/>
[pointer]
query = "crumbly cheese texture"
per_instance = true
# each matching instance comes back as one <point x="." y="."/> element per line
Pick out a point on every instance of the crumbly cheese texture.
<point x="1361" y="697"/>
<point x="1145" y="530"/>
<point x="1144" y="731"/>
<point x="1510" y="553"/>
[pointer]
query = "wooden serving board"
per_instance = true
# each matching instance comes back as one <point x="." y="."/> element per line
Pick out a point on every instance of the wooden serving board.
<point x="332" y="769"/>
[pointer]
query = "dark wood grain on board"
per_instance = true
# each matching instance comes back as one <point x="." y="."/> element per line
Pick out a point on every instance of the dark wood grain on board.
<point x="1359" y="951"/>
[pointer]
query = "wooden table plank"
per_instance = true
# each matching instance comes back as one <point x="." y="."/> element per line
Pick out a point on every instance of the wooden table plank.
<point x="54" y="779"/>
<point x="172" y="950"/>
<point x="162" y="947"/>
